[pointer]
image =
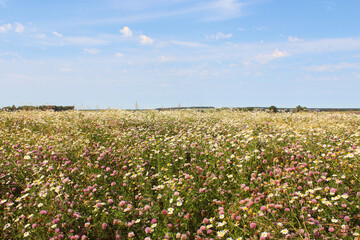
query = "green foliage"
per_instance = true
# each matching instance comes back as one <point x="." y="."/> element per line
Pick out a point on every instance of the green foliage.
<point x="273" y="109"/>
<point x="41" y="107"/>
<point x="300" y="109"/>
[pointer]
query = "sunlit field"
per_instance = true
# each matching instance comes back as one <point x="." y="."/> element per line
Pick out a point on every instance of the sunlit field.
<point x="179" y="175"/>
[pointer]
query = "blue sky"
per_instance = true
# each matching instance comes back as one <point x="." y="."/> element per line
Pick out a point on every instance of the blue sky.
<point x="164" y="53"/>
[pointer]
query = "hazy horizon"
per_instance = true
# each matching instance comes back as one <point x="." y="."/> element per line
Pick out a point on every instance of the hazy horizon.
<point x="220" y="53"/>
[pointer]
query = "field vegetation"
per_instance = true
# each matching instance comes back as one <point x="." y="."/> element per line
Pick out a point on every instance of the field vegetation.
<point x="179" y="175"/>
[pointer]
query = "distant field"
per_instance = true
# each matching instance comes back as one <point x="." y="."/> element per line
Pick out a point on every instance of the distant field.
<point x="179" y="175"/>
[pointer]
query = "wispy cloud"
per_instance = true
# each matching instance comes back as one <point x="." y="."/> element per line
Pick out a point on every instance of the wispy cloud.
<point x="119" y="55"/>
<point x="72" y="40"/>
<point x="186" y="43"/>
<point x="166" y="59"/>
<point x="88" y="41"/>
<point x="19" y="28"/>
<point x="330" y="5"/>
<point x="92" y="51"/>
<point x="144" y="11"/>
<point x="261" y="29"/>
<point x="7" y="53"/>
<point x="356" y="74"/>
<point x="324" y="45"/>
<point x="311" y="78"/>
<point x="294" y="39"/>
<point x="145" y="40"/>
<point x="219" y="35"/>
<point x="265" y="58"/>
<point x="40" y="36"/>
<point x="225" y="9"/>
<point x="264" y="52"/>
<point x="126" y="32"/>
<point x="57" y="34"/>
<point x="2" y="3"/>
<point x="65" y="69"/>
<point x="332" y="67"/>
<point x="192" y="72"/>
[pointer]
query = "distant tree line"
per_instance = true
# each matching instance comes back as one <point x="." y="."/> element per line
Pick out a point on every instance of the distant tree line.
<point x="298" y="108"/>
<point x="272" y="109"/>
<point x="242" y="109"/>
<point x="41" y="108"/>
<point x="182" y="108"/>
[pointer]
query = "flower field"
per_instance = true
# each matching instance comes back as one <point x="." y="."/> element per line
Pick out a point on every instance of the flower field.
<point x="179" y="175"/>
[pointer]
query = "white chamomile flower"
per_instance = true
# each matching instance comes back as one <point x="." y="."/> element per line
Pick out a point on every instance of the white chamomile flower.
<point x="7" y="226"/>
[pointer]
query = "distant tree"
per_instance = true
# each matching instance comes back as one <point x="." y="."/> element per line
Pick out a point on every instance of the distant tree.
<point x="273" y="109"/>
<point x="26" y="108"/>
<point x="300" y="109"/>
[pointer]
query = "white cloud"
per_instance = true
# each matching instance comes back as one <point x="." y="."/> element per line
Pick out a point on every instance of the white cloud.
<point x="57" y="34"/>
<point x="260" y="29"/>
<point x="294" y="39"/>
<point x="75" y="40"/>
<point x="228" y="5"/>
<point x="145" y="40"/>
<point x="357" y="75"/>
<point x="219" y="35"/>
<point x="163" y="58"/>
<point x="318" y="79"/>
<point x="126" y="32"/>
<point x="92" y="51"/>
<point x="7" y="53"/>
<point x="325" y="45"/>
<point x="193" y="72"/>
<point x="19" y="28"/>
<point x="40" y="36"/>
<point x="166" y="59"/>
<point x="6" y="27"/>
<point x="212" y="10"/>
<point x="332" y="67"/>
<point x="265" y="58"/>
<point x="330" y="5"/>
<point x="187" y="44"/>
<point x="225" y="9"/>
<point x="3" y="3"/>
<point x="65" y="69"/>
<point x="278" y="54"/>
<point x="85" y="41"/>
<point x="119" y="55"/>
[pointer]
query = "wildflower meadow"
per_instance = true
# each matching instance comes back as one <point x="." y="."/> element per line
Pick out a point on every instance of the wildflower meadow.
<point x="179" y="175"/>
